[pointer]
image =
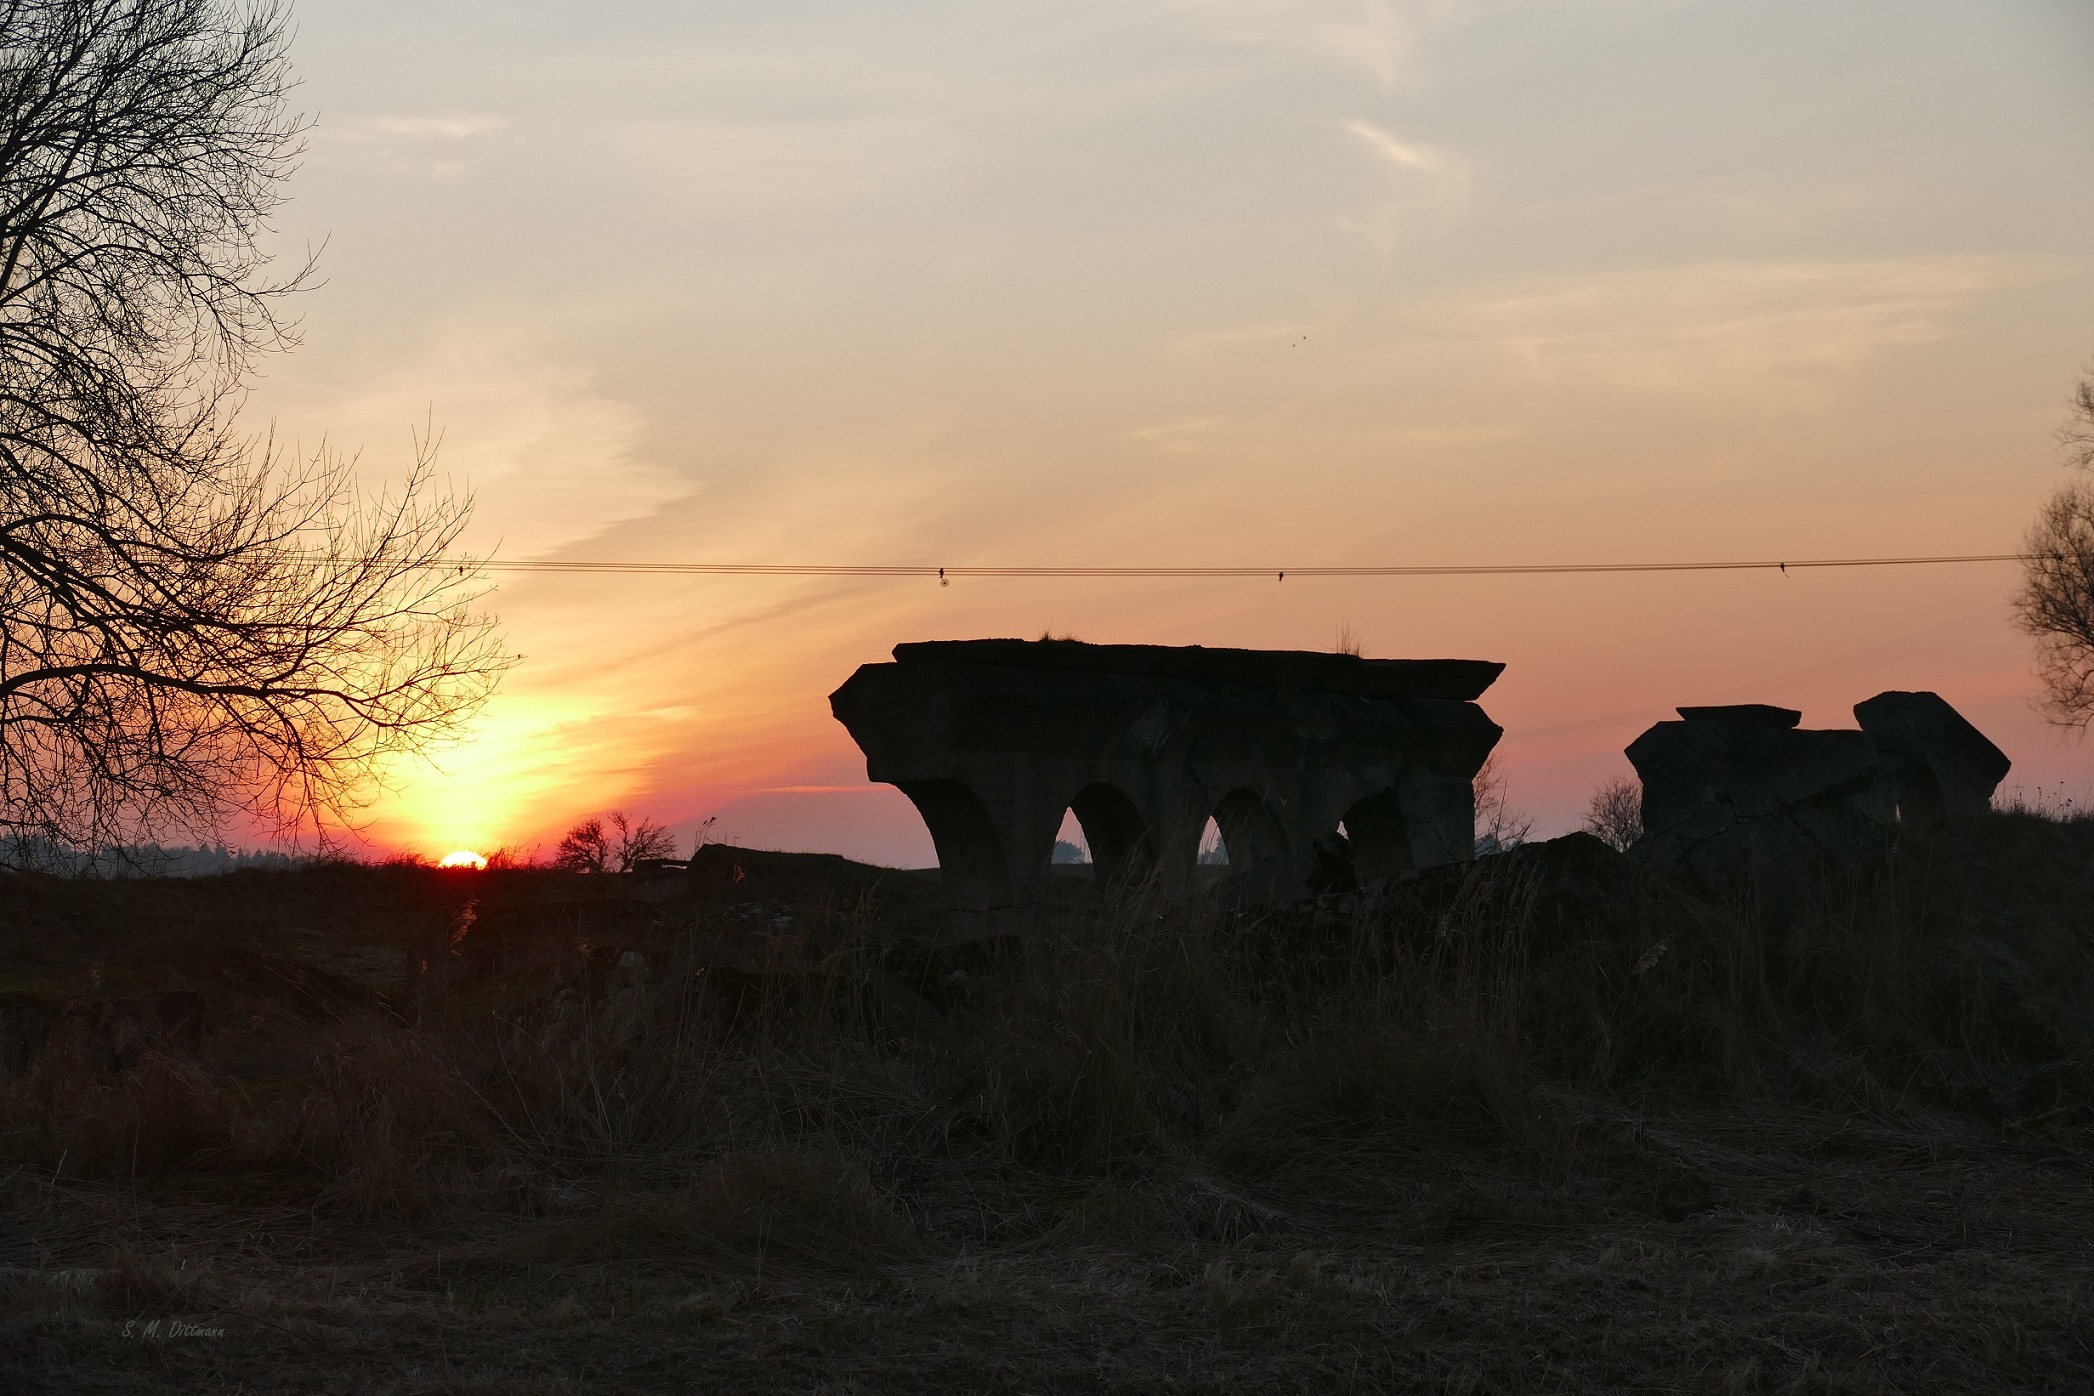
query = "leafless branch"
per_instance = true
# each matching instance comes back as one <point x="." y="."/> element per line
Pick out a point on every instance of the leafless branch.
<point x="190" y="624"/>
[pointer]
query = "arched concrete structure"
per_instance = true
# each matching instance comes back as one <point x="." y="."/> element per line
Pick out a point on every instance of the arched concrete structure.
<point x="994" y="739"/>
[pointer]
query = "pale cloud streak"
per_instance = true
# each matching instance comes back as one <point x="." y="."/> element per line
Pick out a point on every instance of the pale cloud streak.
<point x="1781" y="336"/>
<point x="434" y="128"/>
<point x="1378" y="38"/>
<point x="1425" y="185"/>
<point x="1368" y="36"/>
<point x="760" y="168"/>
<point x="427" y="145"/>
<point x="550" y="458"/>
<point x="1181" y="438"/>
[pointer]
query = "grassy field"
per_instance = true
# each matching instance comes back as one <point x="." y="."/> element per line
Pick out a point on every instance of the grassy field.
<point x="1539" y="1123"/>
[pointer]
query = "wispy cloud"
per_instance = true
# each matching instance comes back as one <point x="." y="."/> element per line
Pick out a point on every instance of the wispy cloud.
<point x="1421" y="184"/>
<point x="418" y="144"/>
<point x="1369" y="36"/>
<point x="550" y="457"/>
<point x="1778" y="334"/>
<point x="435" y="128"/>
<point x="1180" y="438"/>
<point x="757" y="166"/>
<point x="1379" y="38"/>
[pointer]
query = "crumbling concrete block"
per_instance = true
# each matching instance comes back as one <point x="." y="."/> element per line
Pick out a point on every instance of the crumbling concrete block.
<point x="1941" y="769"/>
<point x="1714" y="789"/>
<point x="1726" y="788"/>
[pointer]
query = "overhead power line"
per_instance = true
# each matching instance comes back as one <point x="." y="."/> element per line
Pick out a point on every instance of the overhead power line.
<point x="868" y="569"/>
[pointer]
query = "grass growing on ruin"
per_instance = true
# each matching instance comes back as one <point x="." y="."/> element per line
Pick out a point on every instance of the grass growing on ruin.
<point x="1539" y="1123"/>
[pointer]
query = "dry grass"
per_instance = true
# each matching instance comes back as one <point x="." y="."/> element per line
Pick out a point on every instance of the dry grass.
<point x="1537" y="1124"/>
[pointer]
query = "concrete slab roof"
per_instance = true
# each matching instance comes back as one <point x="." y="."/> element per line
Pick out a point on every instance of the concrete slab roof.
<point x="1461" y="679"/>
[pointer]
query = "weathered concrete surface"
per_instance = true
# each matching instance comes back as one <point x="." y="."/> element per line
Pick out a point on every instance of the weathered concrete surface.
<point x="1728" y="787"/>
<point x="1941" y="768"/>
<point x="993" y="740"/>
<point x="1716" y="791"/>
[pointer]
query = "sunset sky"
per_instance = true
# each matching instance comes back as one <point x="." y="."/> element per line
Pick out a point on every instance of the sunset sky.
<point x="1264" y="282"/>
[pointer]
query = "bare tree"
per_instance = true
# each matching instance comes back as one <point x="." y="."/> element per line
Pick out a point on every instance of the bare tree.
<point x="2056" y="601"/>
<point x="1614" y="815"/>
<point x="2076" y="437"/>
<point x="190" y="624"/>
<point x="614" y="843"/>
<point x="1498" y="824"/>
<point x="641" y="839"/>
<point x="584" y="848"/>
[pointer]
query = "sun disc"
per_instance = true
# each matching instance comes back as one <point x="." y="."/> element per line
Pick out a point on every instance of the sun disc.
<point x="463" y="858"/>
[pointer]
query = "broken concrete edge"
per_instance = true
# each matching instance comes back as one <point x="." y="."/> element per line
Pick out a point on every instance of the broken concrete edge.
<point x="1926" y="725"/>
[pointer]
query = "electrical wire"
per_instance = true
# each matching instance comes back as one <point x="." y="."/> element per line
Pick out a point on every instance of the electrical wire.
<point x="946" y="574"/>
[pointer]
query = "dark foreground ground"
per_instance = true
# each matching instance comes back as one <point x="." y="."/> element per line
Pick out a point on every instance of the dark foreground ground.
<point x="1542" y="1124"/>
<point x="1826" y="1258"/>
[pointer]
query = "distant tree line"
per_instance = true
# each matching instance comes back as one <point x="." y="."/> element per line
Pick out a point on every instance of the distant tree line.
<point x="140" y="860"/>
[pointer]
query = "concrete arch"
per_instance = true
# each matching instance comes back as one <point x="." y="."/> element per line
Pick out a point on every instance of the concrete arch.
<point x="1122" y="840"/>
<point x="971" y="857"/>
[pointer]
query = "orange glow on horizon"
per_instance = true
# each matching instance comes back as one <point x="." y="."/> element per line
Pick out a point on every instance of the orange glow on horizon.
<point x="463" y="858"/>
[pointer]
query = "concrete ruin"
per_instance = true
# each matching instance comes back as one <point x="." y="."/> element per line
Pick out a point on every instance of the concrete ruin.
<point x="1725" y="786"/>
<point x="994" y="740"/>
<point x="1937" y="768"/>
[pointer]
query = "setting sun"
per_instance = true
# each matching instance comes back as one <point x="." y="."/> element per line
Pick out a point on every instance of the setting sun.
<point x="463" y="858"/>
